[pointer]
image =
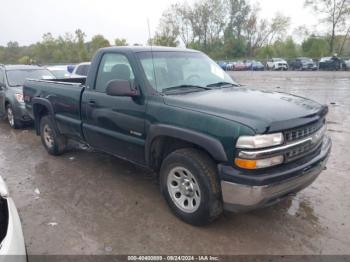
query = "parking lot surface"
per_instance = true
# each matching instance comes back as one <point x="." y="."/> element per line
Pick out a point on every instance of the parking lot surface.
<point x="87" y="202"/>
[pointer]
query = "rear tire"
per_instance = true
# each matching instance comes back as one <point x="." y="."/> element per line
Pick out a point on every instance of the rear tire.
<point x="189" y="183"/>
<point x="54" y="143"/>
<point x="10" y="115"/>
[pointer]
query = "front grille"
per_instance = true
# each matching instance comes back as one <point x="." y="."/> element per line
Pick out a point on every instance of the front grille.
<point x="301" y="151"/>
<point x="302" y="132"/>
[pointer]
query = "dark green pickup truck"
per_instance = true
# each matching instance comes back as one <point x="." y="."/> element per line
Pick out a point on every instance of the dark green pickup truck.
<point x="215" y="145"/>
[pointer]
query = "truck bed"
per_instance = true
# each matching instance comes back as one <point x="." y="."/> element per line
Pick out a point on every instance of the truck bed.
<point x="64" y="95"/>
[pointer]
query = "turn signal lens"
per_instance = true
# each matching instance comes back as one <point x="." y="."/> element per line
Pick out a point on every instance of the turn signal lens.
<point x="246" y="164"/>
<point x="259" y="163"/>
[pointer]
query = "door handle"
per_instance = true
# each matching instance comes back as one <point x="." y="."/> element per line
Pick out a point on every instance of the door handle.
<point x="92" y="103"/>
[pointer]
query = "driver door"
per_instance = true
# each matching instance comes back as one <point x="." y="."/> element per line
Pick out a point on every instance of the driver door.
<point x="114" y="124"/>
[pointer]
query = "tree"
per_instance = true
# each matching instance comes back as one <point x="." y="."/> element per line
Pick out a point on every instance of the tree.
<point x="163" y="40"/>
<point x="239" y="12"/>
<point x="334" y="13"/>
<point x="97" y="42"/>
<point x="345" y="38"/>
<point x="234" y="47"/>
<point x="291" y="49"/>
<point x="67" y="48"/>
<point x="2" y="53"/>
<point x="12" y="53"/>
<point x="261" y="32"/>
<point x="266" y="52"/>
<point x="207" y="19"/>
<point x="25" y="60"/>
<point x="45" y="49"/>
<point x="168" y="30"/>
<point x="201" y="24"/>
<point x="286" y="49"/>
<point x="120" y="42"/>
<point x="315" y="47"/>
<point x="82" y="52"/>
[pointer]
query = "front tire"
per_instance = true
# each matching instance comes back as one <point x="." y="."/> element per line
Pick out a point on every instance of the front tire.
<point x="13" y="122"/>
<point x="189" y="183"/>
<point x="54" y="143"/>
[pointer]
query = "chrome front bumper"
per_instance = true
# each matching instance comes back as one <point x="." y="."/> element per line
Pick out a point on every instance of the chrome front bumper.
<point x="240" y="197"/>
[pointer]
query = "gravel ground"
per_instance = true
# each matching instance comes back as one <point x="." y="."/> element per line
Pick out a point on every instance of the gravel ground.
<point x="90" y="203"/>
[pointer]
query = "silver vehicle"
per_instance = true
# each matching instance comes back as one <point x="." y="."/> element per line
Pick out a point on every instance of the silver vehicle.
<point x="81" y="70"/>
<point x="11" y="235"/>
<point x="277" y="64"/>
<point x="60" y="71"/>
<point x="12" y="78"/>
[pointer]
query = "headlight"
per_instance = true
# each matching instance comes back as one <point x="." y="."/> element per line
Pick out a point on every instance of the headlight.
<point x="259" y="163"/>
<point x="19" y="97"/>
<point x="260" y="141"/>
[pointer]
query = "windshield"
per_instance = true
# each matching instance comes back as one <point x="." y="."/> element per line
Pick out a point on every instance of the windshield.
<point x="181" y="69"/>
<point x="17" y="77"/>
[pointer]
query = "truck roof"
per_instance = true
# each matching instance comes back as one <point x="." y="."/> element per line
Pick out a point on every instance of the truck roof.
<point x="149" y="49"/>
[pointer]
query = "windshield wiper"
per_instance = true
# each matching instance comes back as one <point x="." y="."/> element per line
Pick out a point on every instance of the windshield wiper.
<point x="185" y="86"/>
<point x="220" y="84"/>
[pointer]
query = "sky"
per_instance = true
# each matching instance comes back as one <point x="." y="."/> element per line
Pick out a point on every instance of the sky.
<point x="26" y="21"/>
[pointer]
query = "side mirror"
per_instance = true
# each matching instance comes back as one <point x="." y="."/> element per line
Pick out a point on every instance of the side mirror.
<point x="121" y="88"/>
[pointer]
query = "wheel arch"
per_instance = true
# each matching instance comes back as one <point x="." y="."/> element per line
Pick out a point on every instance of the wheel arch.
<point x="41" y="107"/>
<point x="164" y="139"/>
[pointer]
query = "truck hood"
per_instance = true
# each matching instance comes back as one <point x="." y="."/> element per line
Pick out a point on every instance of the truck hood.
<point x="263" y="111"/>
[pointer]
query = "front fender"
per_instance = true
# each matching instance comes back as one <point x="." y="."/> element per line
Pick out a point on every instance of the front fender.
<point x="210" y="144"/>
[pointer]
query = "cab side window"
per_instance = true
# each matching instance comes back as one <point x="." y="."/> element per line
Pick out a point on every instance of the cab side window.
<point x="113" y="66"/>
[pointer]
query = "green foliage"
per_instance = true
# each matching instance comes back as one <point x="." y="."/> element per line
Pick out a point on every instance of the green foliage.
<point x="25" y="60"/>
<point x="67" y="48"/>
<point x="224" y="29"/>
<point x="235" y="47"/>
<point x="120" y="42"/>
<point x="97" y="42"/>
<point x="266" y="52"/>
<point x="315" y="47"/>
<point x="228" y="29"/>
<point x="220" y="28"/>
<point x="286" y="49"/>
<point x="12" y="52"/>
<point x="162" y="40"/>
<point x="335" y="14"/>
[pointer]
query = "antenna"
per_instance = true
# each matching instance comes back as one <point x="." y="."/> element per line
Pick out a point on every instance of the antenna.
<point x="149" y="33"/>
<point x="151" y="43"/>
